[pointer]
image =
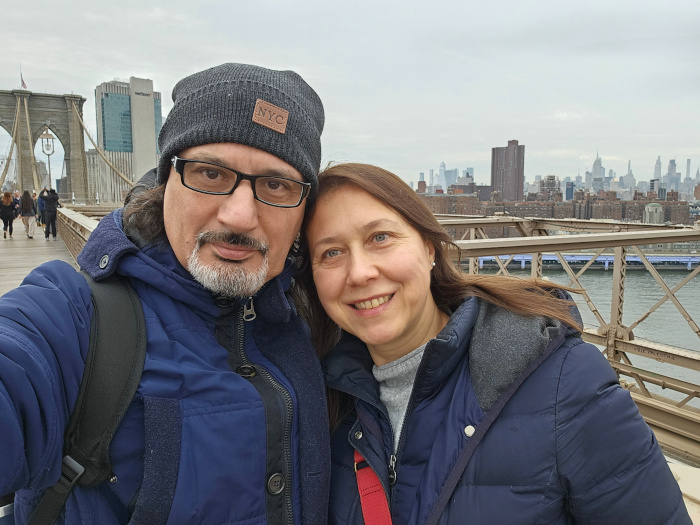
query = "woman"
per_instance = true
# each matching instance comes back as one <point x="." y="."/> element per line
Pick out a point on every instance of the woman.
<point x="29" y="212"/>
<point x="7" y="213"/>
<point x="471" y="398"/>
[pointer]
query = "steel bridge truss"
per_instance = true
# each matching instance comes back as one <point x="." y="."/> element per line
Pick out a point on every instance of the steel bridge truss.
<point x="675" y="423"/>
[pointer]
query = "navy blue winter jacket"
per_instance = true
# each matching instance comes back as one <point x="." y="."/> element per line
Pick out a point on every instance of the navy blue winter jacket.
<point x="529" y="419"/>
<point x="229" y="424"/>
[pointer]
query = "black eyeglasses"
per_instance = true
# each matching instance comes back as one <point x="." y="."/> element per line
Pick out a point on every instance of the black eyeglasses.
<point x="213" y="179"/>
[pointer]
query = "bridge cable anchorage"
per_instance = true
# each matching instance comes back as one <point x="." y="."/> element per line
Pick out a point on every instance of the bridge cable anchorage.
<point x="97" y="148"/>
<point x="12" y="145"/>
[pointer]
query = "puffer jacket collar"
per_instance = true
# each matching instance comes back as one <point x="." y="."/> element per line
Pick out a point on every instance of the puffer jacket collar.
<point x="109" y="250"/>
<point x="348" y="367"/>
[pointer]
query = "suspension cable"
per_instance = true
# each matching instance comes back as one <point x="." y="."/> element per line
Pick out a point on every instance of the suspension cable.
<point x="116" y="171"/>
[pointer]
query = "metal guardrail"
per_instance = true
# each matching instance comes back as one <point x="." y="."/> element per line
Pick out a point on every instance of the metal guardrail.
<point x="675" y="423"/>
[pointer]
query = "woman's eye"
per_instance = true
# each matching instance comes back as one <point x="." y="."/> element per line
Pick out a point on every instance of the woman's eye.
<point x="331" y="253"/>
<point x="381" y="237"/>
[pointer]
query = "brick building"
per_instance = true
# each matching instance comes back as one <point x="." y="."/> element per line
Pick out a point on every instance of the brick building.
<point x="453" y="204"/>
<point x="607" y="210"/>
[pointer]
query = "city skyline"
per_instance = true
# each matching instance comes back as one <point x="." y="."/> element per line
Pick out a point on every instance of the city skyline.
<point x="408" y="87"/>
<point x="639" y="174"/>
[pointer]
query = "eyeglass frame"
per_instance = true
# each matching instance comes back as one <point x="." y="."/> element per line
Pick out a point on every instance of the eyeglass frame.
<point x="305" y="186"/>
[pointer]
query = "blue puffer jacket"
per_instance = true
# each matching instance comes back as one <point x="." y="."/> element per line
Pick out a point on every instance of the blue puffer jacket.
<point x="229" y="424"/>
<point x="526" y="418"/>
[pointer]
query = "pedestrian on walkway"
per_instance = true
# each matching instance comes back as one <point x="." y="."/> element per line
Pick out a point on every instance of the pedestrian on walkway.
<point x="7" y="213"/>
<point x="51" y="204"/>
<point x="16" y="201"/>
<point x="36" y="205"/>
<point x="40" y="207"/>
<point x="28" y="211"/>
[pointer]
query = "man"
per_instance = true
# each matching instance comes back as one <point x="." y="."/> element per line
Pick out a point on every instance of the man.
<point x="17" y="199"/>
<point x="51" y="206"/>
<point x="229" y="423"/>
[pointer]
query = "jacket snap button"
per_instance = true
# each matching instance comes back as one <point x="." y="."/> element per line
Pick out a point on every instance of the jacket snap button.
<point x="245" y="371"/>
<point x="104" y="261"/>
<point x="275" y="484"/>
<point x="469" y="431"/>
<point x="222" y="302"/>
<point x="358" y="435"/>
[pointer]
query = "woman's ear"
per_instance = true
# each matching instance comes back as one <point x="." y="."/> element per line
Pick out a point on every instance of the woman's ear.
<point x="431" y="252"/>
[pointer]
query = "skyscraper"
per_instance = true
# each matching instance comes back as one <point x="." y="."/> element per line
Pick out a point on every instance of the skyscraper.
<point x="628" y="180"/>
<point x="657" y="168"/>
<point x="441" y="177"/>
<point x="570" y="186"/>
<point x="508" y="171"/>
<point x="672" y="178"/>
<point x="129" y="119"/>
<point x="598" y="169"/>
<point x="451" y="177"/>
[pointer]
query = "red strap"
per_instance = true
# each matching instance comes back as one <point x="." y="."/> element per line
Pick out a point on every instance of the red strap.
<point x="375" y="508"/>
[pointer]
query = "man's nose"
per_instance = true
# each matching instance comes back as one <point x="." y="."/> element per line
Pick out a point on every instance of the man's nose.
<point x="239" y="211"/>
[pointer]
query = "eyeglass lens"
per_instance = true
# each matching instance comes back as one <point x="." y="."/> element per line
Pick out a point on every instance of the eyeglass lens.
<point x="215" y="179"/>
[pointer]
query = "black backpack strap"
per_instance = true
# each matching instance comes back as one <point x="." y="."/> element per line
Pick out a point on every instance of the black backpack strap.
<point x="112" y="374"/>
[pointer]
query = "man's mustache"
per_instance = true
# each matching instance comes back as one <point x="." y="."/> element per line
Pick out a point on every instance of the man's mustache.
<point x="238" y="239"/>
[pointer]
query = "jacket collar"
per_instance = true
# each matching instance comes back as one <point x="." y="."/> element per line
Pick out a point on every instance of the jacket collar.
<point x="348" y="367"/>
<point x="110" y="250"/>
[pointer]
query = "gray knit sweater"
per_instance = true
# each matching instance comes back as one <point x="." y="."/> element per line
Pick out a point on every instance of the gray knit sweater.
<point x="395" y="386"/>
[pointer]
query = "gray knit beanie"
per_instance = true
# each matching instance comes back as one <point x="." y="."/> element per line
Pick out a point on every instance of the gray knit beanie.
<point x="274" y="111"/>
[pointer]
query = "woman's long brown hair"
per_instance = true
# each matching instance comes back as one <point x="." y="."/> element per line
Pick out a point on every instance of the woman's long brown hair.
<point x="448" y="285"/>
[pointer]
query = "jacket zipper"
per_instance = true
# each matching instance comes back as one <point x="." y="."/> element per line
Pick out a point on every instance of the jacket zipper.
<point x="392" y="462"/>
<point x="392" y="470"/>
<point x="393" y="459"/>
<point x="248" y="314"/>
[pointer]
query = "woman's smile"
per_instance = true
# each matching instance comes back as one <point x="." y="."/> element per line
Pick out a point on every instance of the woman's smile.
<point x="372" y="303"/>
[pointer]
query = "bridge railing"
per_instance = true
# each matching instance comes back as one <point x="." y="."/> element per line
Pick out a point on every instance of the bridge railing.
<point x="75" y="226"/>
<point x="674" y="417"/>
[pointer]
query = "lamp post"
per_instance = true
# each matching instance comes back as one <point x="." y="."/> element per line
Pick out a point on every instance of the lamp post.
<point x="47" y="146"/>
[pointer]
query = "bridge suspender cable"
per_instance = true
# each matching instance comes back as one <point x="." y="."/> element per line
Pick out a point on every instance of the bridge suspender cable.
<point x="12" y="145"/>
<point x="119" y="173"/>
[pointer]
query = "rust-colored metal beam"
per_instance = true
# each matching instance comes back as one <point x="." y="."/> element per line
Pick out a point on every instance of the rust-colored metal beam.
<point x="554" y="243"/>
<point x="658" y="351"/>
<point x="579" y="225"/>
<point x="677" y="429"/>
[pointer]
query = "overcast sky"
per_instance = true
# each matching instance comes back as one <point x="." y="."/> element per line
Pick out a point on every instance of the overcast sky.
<point x="406" y="85"/>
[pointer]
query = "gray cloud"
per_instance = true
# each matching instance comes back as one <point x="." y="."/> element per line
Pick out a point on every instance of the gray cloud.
<point x="407" y="85"/>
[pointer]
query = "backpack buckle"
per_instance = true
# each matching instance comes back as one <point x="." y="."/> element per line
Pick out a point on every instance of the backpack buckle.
<point x="71" y="471"/>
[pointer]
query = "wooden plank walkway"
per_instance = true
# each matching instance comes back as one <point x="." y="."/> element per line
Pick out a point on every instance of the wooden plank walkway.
<point x="20" y="255"/>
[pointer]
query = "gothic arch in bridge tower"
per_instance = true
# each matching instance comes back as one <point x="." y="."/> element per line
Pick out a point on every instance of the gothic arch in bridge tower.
<point x="56" y="112"/>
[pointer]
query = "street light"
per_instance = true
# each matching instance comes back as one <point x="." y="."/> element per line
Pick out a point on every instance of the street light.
<point x="47" y="143"/>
